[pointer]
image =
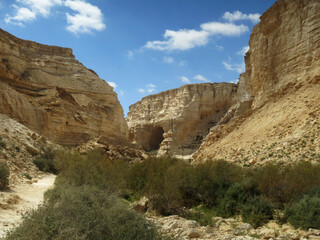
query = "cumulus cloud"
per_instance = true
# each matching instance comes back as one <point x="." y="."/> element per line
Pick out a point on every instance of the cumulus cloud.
<point x="87" y="18"/>
<point x="22" y="15"/>
<point x="28" y="10"/>
<point x="150" y="88"/>
<point x="185" y="39"/>
<point x="243" y="51"/>
<point x="237" y="15"/>
<point x="168" y="60"/>
<point x="112" y="84"/>
<point x="201" y="78"/>
<point x="224" y="29"/>
<point x="185" y="79"/>
<point x="240" y="68"/>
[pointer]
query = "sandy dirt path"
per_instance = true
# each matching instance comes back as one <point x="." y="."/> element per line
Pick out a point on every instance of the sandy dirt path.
<point x="21" y="198"/>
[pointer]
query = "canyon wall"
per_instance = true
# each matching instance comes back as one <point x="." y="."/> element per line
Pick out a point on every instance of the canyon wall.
<point x="276" y="99"/>
<point x="282" y="77"/>
<point x="46" y="89"/>
<point x="176" y="120"/>
<point x="284" y="50"/>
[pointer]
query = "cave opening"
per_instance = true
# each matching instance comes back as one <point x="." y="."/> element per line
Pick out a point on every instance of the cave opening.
<point x="156" y="138"/>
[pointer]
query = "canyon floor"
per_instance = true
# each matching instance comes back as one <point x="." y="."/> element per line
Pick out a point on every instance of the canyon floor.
<point x="21" y="198"/>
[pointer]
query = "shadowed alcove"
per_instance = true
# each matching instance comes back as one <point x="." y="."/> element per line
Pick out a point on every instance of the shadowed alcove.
<point x="156" y="138"/>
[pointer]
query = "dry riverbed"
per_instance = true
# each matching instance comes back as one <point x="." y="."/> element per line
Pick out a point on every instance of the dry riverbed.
<point x="21" y="198"/>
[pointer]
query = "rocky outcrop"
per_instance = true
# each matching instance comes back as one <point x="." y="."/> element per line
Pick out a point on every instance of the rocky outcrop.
<point x="282" y="77"/>
<point x="275" y="103"/>
<point x="176" y="120"/>
<point x="46" y="89"/>
<point x="182" y="229"/>
<point x="284" y="50"/>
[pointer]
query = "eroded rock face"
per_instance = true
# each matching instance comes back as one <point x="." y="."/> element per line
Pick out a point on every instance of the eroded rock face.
<point x="284" y="50"/>
<point x="46" y="89"/>
<point x="282" y="76"/>
<point x="176" y="120"/>
<point x="274" y="105"/>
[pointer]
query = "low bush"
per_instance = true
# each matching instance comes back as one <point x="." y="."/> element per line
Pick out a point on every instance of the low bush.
<point x="84" y="212"/>
<point x="204" y="216"/>
<point x="4" y="176"/>
<point x="257" y="211"/>
<point x="304" y="213"/>
<point x="45" y="162"/>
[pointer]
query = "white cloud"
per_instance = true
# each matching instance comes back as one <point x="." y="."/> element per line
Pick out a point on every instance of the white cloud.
<point x="41" y="7"/>
<point x="28" y="10"/>
<point x="240" y="68"/>
<point x="243" y="51"/>
<point x="151" y="90"/>
<point x="185" y="79"/>
<point x="224" y="29"/>
<point x="87" y="18"/>
<point x="185" y="39"/>
<point x="168" y="60"/>
<point x="201" y="78"/>
<point x="237" y="15"/>
<point x="22" y="15"/>
<point x="130" y="54"/>
<point x="112" y="84"/>
<point x="121" y="93"/>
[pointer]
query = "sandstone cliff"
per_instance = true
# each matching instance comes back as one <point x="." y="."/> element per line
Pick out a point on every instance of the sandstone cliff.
<point x="282" y="76"/>
<point x="176" y="120"/>
<point x="271" y="114"/>
<point x="46" y="89"/>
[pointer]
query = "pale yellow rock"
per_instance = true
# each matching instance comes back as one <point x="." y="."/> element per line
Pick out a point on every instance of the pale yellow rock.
<point x="176" y="120"/>
<point x="283" y="79"/>
<point x="46" y="89"/>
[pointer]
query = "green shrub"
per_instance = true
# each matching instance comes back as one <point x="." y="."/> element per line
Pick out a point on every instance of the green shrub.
<point x="304" y="213"/>
<point x="4" y="176"/>
<point x="282" y="184"/>
<point x="45" y="162"/>
<point x="92" y="169"/>
<point x="257" y="211"/>
<point x="84" y="212"/>
<point x="204" y="216"/>
<point x="214" y="178"/>
<point x="235" y="197"/>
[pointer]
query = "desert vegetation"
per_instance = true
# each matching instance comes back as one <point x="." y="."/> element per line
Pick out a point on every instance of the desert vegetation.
<point x="90" y="199"/>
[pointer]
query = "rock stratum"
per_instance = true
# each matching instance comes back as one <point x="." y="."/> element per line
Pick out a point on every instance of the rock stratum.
<point x="271" y="114"/>
<point x="175" y="121"/>
<point x="46" y="89"/>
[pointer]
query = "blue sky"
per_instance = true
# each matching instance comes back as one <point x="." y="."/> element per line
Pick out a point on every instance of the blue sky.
<point x="143" y="47"/>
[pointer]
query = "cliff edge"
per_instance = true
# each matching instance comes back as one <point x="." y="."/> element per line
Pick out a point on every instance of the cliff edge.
<point x="46" y="89"/>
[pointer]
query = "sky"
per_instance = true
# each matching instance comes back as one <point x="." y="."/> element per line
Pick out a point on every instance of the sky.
<point x="143" y="47"/>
